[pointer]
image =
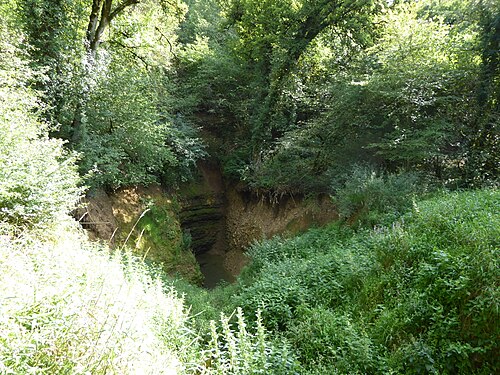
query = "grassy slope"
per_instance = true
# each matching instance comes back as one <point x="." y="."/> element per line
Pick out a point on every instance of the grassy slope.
<point x="420" y="296"/>
<point x="67" y="306"/>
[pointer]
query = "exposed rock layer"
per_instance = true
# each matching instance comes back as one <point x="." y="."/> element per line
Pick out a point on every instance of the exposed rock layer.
<point x="220" y="218"/>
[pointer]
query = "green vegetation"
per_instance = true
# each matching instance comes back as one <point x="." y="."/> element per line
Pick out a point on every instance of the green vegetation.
<point x="299" y="91"/>
<point x="382" y="105"/>
<point x="104" y="87"/>
<point x="37" y="175"/>
<point x="159" y="238"/>
<point x="419" y="296"/>
<point x="310" y="88"/>
<point x="69" y="306"/>
<point x="364" y="194"/>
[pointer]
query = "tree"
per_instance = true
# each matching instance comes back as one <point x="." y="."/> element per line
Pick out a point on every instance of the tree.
<point x="107" y="94"/>
<point x="484" y="138"/>
<point x="53" y="33"/>
<point x="406" y="102"/>
<point x="101" y="15"/>
<point x="130" y="135"/>
<point x="274" y="35"/>
<point x="38" y="178"/>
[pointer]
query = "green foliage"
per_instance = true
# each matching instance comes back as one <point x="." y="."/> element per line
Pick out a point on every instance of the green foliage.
<point x="126" y="141"/>
<point x="444" y="264"/>
<point x="333" y="340"/>
<point x="365" y="194"/>
<point x="300" y="89"/>
<point x="109" y="103"/>
<point x="128" y="134"/>
<point x="38" y="179"/>
<point x="246" y="74"/>
<point x="426" y="83"/>
<point x="80" y="309"/>
<point x="234" y="349"/>
<point x="77" y="309"/>
<point x="202" y="20"/>
<point x="314" y="98"/>
<point x="54" y="32"/>
<point x="310" y="271"/>
<point x="295" y="248"/>
<point x="419" y="296"/>
<point x="483" y="141"/>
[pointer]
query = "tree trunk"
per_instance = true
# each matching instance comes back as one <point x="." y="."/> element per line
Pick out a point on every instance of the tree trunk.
<point x="101" y="15"/>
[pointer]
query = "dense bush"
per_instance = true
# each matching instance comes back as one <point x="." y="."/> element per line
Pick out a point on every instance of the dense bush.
<point x="334" y="341"/>
<point x="130" y="139"/>
<point x="38" y="178"/>
<point x="316" y="269"/>
<point x="419" y="296"/>
<point x="366" y="194"/>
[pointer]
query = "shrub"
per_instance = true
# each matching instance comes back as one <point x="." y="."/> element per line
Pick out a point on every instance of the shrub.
<point x="38" y="180"/>
<point x="328" y="276"/>
<point x="125" y="144"/>
<point x="456" y="278"/>
<point x="437" y="276"/>
<point x="418" y="296"/>
<point x="130" y="138"/>
<point x="301" y="247"/>
<point x="278" y="291"/>
<point x="365" y="193"/>
<point x="233" y="349"/>
<point x="334" y="340"/>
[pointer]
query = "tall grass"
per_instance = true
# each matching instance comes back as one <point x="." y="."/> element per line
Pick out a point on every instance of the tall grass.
<point x="69" y="306"/>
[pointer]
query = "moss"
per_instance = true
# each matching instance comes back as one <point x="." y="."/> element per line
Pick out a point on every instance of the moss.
<point x="162" y="241"/>
<point x="193" y="190"/>
<point x="155" y="234"/>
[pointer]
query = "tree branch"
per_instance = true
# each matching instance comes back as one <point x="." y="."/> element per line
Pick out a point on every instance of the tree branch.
<point x="168" y="41"/>
<point x="130" y="49"/>
<point x="93" y="21"/>
<point x="121" y="7"/>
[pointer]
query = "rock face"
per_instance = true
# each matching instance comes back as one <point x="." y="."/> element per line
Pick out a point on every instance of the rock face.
<point x="202" y="214"/>
<point x="223" y="219"/>
<point x="219" y="220"/>
<point x="96" y="215"/>
<point x="252" y="217"/>
<point x="143" y="219"/>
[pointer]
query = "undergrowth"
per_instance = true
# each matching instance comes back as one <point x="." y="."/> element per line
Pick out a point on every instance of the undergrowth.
<point x="418" y="296"/>
<point x="69" y="306"/>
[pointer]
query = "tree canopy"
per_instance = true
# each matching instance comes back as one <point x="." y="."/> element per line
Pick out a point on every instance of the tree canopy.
<point x="299" y="91"/>
<point x="309" y="88"/>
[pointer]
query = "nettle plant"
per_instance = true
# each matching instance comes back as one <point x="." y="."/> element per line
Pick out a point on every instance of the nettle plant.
<point x="234" y="349"/>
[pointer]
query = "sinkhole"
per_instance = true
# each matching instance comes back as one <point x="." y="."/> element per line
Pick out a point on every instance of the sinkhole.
<point x="203" y="222"/>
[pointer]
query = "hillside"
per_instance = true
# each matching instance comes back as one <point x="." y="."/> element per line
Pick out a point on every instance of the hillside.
<point x="239" y="187"/>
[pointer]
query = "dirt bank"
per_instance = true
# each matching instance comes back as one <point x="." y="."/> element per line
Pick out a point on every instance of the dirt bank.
<point x="251" y="217"/>
<point x="146" y="220"/>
